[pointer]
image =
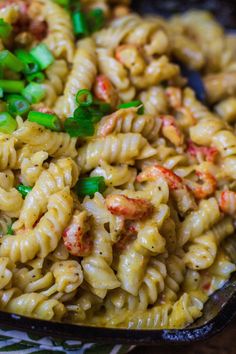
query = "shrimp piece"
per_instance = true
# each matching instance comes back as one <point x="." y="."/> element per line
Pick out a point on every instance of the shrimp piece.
<point x="76" y="237"/>
<point x="174" y="96"/>
<point x="202" y="191"/>
<point x="128" y="208"/>
<point x="153" y="172"/>
<point x="108" y="123"/>
<point x="105" y="91"/>
<point x="128" y="236"/>
<point x="202" y="152"/>
<point x="180" y="191"/>
<point x="129" y="56"/>
<point x="227" y="202"/>
<point x="171" y="131"/>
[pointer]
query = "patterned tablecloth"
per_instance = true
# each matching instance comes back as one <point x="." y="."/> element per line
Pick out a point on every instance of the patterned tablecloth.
<point x="23" y="343"/>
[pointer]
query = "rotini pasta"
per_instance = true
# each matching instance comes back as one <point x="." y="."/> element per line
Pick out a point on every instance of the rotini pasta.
<point x="60" y="39"/>
<point x="82" y="76"/>
<point x="117" y="184"/>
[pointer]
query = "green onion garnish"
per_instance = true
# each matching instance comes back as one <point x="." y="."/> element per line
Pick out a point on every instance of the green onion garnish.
<point x="49" y="121"/>
<point x="62" y="2"/>
<point x="30" y="64"/>
<point x="7" y="123"/>
<point x="79" y="23"/>
<point x="103" y="107"/>
<point x="82" y="113"/>
<point x="1" y="93"/>
<point x="79" y="127"/>
<point x="89" y="113"/>
<point x="90" y="185"/>
<point x="37" y="77"/>
<point x="10" y="61"/>
<point x="34" y="92"/>
<point x="42" y="55"/>
<point x="23" y="190"/>
<point x="84" y="98"/>
<point x="95" y="20"/>
<point x="12" y="86"/>
<point x="10" y="230"/>
<point x="5" y="29"/>
<point x="17" y="105"/>
<point x="130" y="104"/>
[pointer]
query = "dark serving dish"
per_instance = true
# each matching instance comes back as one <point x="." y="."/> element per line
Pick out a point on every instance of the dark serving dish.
<point x="218" y="312"/>
<point x="221" y="307"/>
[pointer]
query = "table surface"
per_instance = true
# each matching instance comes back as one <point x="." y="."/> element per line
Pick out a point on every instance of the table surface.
<point x="223" y="343"/>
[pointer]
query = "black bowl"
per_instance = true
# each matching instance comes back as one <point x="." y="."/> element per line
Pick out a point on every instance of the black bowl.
<point x="218" y="312"/>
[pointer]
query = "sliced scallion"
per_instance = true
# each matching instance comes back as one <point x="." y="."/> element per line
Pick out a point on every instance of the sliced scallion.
<point x="30" y="64"/>
<point x="23" y="190"/>
<point x="95" y="20"/>
<point x="84" y="98"/>
<point x="10" y="61"/>
<point x="49" y="121"/>
<point x="17" y="105"/>
<point x="130" y="104"/>
<point x="7" y="123"/>
<point x="90" y="185"/>
<point x="42" y="55"/>
<point x="12" y="86"/>
<point x="36" y="77"/>
<point x="79" y="23"/>
<point x="64" y="3"/>
<point x="79" y="127"/>
<point x="5" y="29"/>
<point x="10" y="230"/>
<point x="33" y="92"/>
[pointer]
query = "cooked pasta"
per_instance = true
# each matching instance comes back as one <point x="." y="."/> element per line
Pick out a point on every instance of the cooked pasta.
<point x="117" y="183"/>
<point x="39" y="138"/>
<point x="60" y="37"/>
<point x="82" y="76"/>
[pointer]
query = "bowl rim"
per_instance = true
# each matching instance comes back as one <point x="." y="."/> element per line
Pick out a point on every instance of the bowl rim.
<point x="67" y="331"/>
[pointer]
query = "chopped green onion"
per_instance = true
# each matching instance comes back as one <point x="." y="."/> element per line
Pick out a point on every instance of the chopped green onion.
<point x="89" y="113"/>
<point x="1" y="93"/>
<point x="33" y="92"/>
<point x="90" y="185"/>
<point x="130" y="104"/>
<point x="103" y="107"/>
<point x="84" y="98"/>
<point x="10" y="61"/>
<point x="42" y="55"/>
<point x="5" y="29"/>
<point x="95" y="20"/>
<point x="30" y="65"/>
<point x="79" y="128"/>
<point x="63" y="2"/>
<point x="49" y="121"/>
<point x="82" y="113"/>
<point x="17" y="105"/>
<point x="23" y="190"/>
<point x="7" y="123"/>
<point x="10" y="231"/>
<point x="37" y="77"/>
<point x="12" y="86"/>
<point x="79" y="23"/>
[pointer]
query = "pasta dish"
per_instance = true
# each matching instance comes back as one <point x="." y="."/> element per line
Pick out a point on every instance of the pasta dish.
<point x="117" y="179"/>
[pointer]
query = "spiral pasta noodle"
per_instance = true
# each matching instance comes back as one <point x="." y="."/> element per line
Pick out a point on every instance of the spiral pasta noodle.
<point x="60" y="39"/>
<point x="81" y="76"/>
<point x="117" y="180"/>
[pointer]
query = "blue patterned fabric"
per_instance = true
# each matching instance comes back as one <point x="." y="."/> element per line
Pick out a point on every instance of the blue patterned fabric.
<point x="23" y="343"/>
